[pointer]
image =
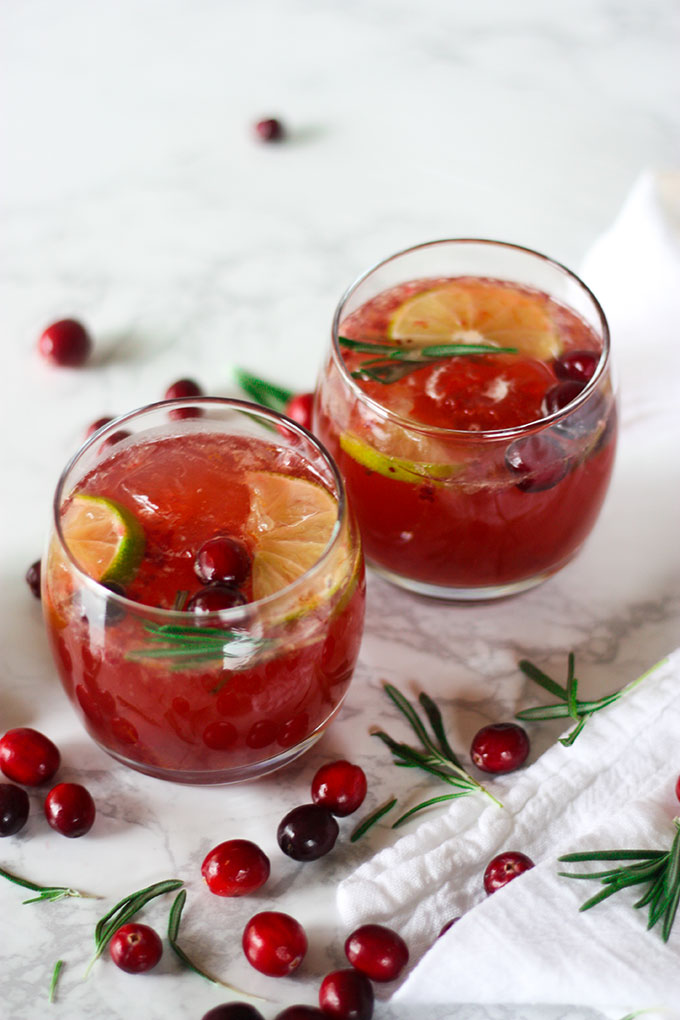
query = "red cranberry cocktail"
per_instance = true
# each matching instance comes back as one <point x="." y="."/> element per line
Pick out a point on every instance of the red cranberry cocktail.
<point x="468" y="402"/>
<point x="204" y="589"/>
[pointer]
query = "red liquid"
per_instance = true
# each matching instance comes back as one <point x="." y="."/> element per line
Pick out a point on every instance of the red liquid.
<point x="466" y="520"/>
<point x="206" y="722"/>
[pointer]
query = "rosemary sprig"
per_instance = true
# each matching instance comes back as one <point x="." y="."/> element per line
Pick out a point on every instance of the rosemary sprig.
<point x="51" y="893"/>
<point x="396" y="361"/>
<point x="121" y="913"/>
<point x="262" y="392"/>
<point x="367" y="823"/>
<point x="55" y="978"/>
<point x="569" y="706"/>
<point x="659" y="869"/>
<point x="437" y="757"/>
<point x="187" y="647"/>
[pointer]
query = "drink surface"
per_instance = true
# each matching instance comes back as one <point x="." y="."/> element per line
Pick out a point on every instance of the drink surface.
<point x="256" y="688"/>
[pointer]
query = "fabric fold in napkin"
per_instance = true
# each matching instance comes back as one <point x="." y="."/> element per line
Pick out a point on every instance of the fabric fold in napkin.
<point x="613" y="788"/>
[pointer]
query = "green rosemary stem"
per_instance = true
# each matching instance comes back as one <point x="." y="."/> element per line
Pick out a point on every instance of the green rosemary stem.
<point x="50" y="893"/>
<point x="368" y="822"/>
<point x="55" y="978"/>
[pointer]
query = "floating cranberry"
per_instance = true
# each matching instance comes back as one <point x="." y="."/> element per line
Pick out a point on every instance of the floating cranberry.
<point x="28" y="757"/>
<point x="235" y="868"/>
<point x="301" y="1013"/>
<point x="347" y="995"/>
<point x="503" y="868"/>
<point x="299" y="408"/>
<point x="501" y="747"/>
<point x="578" y="366"/>
<point x="378" y="952"/>
<point x="538" y="461"/>
<point x="269" y="130"/>
<point x="307" y="832"/>
<point x="274" y="943"/>
<point x="224" y="559"/>
<point x="340" y="787"/>
<point x="449" y="924"/>
<point x="233" y="1011"/>
<point x="185" y="389"/>
<point x="14" y="808"/>
<point x="558" y="396"/>
<point x="33" y="578"/>
<point x="96" y="425"/>
<point x="136" y="948"/>
<point x="214" y="598"/>
<point x="66" y="343"/>
<point x="70" y="810"/>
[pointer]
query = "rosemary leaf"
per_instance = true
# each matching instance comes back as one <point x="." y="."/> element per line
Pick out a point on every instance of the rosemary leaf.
<point x="572" y="688"/>
<point x="612" y="855"/>
<point x="262" y="392"/>
<point x="572" y="735"/>
<point x="598" y="897"/>
<point x="407" y="710"/>
<point x="55" y="978"/>
<point x="368" y="822"/>
<point x="435" y="718"/>
<point x="655" y="889"/>
<point x="426" y="804"/>
<point x="50" y="893"/>
<point x="542" y="679"/>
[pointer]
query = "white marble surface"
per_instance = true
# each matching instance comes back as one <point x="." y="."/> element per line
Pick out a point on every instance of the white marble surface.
<point x="134" y="196"/>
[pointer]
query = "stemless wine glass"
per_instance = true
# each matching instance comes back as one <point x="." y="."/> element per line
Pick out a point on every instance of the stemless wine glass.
<point x="457" y="512"/>
<point x="222" y="694"/>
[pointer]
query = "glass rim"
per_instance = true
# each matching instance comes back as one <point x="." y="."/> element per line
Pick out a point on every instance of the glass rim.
<point x="460" y="434"/>
<point x="236" y="614"/>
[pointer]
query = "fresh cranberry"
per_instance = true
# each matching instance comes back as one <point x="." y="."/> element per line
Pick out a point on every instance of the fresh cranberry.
<point x="96" y="425"/>
<point x="301" y="1013"/>
<point x="299" y="408"/>
<point x="558" y="396"/>
<point x="66" y="343"/>
<point x="235" y="868"/>
<point x="340" y="787"/>
<point x="269" y="130"/>
<point x="186" y="389"/>
<point x="33" y="578"/>
<point x="69" y="809"/>
<point x="307" y="832"/>
<point x="578" y="366"/>
<point x="449" y="924"/>
<point x="28" y="757"/>
<point x="224" y="559"/>
<point x="13" y="809"/>
<point x="233" y="1011"/>
<point x="136" y="948"/>
<point x="501" y="747"/>
<point x="503" y="868"/>
<point x="213" y="598"/>
<point x="347" y="995"/>
<point x="677" y="788"/>
<point x="274" y="943"/>
<point x="376" y="951"/>
<point x="538" y="461"/>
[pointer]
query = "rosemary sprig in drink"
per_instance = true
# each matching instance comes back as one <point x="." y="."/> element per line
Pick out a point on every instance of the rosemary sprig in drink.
<point x="50" y="893"/>
<point x="569" y="705"/>
<point x="187" y="647"/>
<point x="659" y="870"/>
<point x="394" y="361"/>
<point x="437" y="757"/>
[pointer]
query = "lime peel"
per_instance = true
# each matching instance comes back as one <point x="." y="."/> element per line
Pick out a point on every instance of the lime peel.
<point x="397" y="468"/>
<point x="104" y="537"/>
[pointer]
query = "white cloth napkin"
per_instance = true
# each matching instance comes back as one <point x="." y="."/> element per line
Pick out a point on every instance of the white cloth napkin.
<point x="615" y="787"/>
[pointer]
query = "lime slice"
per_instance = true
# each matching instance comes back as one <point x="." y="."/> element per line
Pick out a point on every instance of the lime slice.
<point x="477" y="311"/>
<point x="398" y="468"/>
<point x="105" y="539"/>
<point x="291" y="522"/>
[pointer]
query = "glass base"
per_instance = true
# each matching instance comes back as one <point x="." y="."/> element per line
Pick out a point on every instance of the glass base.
<point x="220" y="777"/>
<point x="445" y="594"/>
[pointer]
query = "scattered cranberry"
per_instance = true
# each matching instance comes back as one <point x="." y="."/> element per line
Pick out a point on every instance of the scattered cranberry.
<point x="28" y="757"/>
<point x="501" y="747"/>
<point x="235" y="868"/>
<point x="96" y="425"/>
<point x="65" y="343"/>
<point x="233" y="1011"/>
<point x="340" y="787"/>
<point x="301" y="1013"/>
<point x="347" y="995"/>
<point x="578" y="366"/>
<point x="69" y="809"/>
<point x="33" y="578"/>
<point x="270" y="130"/>
<point x="503" y="868"/>
<point x="224" y="559"/>
<point x="376" y="951"/>
<point x="184" y="388"/>
<point x="558" y="396"/>
<point x="214" y="598"/>
<point x="274" y="943"/>
<point x="136" y="948"/>
<point x="307" y="832"/>
<point x="449" y="924"/>
<point x="13" y="809"/>
<point x="299" y="408"/>
<point x="539" y="461"/>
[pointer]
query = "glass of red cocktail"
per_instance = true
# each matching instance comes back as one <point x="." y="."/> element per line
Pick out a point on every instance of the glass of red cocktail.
<point x="204" y="589"/>
<point x="468" y="401"/>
